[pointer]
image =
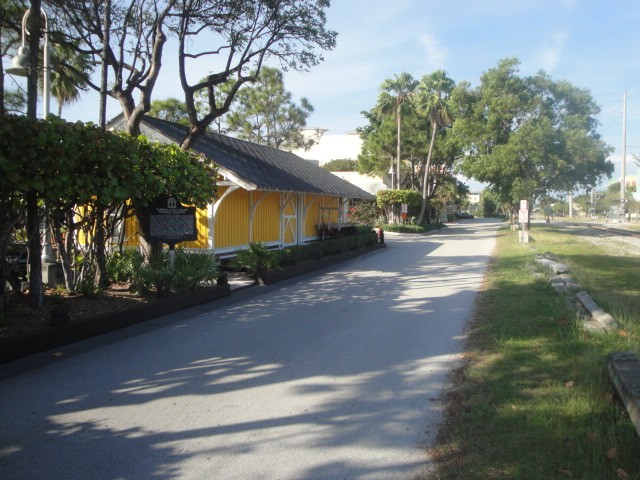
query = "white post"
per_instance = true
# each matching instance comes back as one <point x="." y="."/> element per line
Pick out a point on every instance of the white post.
<point x="570" y="204"/>
<point x="623" y="180"/>
<point x="47" y="250"/>
<point x="47" y="74"/>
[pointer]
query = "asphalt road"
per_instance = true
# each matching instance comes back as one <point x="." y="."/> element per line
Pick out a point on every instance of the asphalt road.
<point x="334" y="375"/>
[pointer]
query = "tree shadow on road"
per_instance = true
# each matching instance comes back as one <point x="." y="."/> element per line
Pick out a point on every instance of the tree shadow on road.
<point x="357" y="351"/>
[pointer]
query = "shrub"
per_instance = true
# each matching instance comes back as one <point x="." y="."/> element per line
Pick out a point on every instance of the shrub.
<point x="316" y="250"/>
<point x="364" y="212"/>
<point x="409" y="228"/>
<point x="255" y="259"/>
<point x="189" y="271"/>
<point x="154" y="275"/>
<point x="121" y="266"/>
<point x="192" y="269"/>
<point x="87" y="286"/>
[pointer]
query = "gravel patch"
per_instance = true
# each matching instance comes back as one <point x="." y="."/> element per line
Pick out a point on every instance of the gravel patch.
<point x="615" y="244"/>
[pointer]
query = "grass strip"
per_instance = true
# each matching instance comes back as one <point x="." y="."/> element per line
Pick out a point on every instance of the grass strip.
<point x="532" y="400"/>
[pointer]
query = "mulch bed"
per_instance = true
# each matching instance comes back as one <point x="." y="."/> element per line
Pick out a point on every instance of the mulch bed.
<point x="20" y="319"/>
<point x="26" y="331"/>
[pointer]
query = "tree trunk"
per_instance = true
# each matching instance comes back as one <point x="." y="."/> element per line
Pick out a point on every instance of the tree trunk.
<point x="99" y="242"/>
<point x="151" y="249"/>
<point x="425" y="184"/>
<point x="398" y="148"/>
<point x="65" y="251"/>
<point x="36" y="290"/>
<point x="2" y="110"/>
<point x="3" y="272"/>
<point x="36" y="294"/>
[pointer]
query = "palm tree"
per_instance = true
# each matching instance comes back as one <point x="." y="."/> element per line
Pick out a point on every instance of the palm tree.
<point x="393" y="93"/>
<point x="69" y="73"/>
<point x="431" y="100"/>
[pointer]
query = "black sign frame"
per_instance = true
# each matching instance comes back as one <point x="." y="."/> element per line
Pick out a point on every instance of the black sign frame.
<point x="170" y="222"/>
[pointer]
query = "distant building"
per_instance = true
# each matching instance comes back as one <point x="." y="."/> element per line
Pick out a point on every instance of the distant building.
<point x="474" y="198"/>
<point x="330" y="147"/>
<point x="631" y="181"/>
<point x="369" y="183"/>
<point x="337" y="147"/>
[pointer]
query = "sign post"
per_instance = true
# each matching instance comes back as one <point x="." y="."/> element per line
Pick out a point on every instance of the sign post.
<point x="523" y="220"/>
<point x="404" y="210"/>
<point x="170" y="222"/>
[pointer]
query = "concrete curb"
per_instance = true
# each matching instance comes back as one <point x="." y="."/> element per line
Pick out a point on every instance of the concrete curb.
<point x="555" y="267"/>
<point x="564" y="284"/>
<point x="624" y="372"/>
<point x="602" y="317"/>
<point x="623" y="367"/>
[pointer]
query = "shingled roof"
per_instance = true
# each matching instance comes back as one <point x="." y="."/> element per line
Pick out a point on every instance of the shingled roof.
<point x="258" y="166"/>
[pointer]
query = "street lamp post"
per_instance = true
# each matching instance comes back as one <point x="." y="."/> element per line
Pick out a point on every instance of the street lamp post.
<point x="20" y="63"/>
<point x="20" y="66"/>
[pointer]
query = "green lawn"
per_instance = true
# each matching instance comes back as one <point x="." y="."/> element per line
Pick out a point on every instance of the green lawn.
<point x="533" y="400"/>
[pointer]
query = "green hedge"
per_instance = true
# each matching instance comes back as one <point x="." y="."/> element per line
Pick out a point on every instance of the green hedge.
<point x="258" y="257"/>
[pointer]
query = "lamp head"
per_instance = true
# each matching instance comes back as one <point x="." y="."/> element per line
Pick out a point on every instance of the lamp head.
<point x="20" y="63"/>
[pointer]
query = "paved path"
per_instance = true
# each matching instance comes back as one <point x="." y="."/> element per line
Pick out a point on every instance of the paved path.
<point x="335" y="375"/>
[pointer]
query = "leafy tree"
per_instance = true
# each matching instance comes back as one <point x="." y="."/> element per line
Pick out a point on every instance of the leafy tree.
<point x="11" y="12"/>
<point x="489" y="204"/>
<point x="380" y="137"/>
<point x="133" y="48"/>
<point x="378" y="143"/>
<point x="341" y="165"/>
<point x="264" y="113"/>
<point x="170" y="109"/>
<point x="528" y="136"/>
<point x="390" y="200"/>
<point x="92" y="168"/>
<point x="248" y="32"/>
<point x="15" y="101"/>
<point x="379" y="147"/>
<point x="64" y="60"/>
<point x="238" y="36"/>
<point x="431" y="100"/>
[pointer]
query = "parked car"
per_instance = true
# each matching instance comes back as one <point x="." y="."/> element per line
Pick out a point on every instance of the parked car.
<point x="464" y="216"/>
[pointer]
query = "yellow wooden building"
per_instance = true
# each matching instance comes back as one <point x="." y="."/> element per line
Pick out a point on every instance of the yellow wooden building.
<point x="264" y="194"/>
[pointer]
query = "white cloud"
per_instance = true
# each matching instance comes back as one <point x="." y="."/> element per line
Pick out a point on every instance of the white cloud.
<point x="551" y="54"/>
<point x="436" y="52"/>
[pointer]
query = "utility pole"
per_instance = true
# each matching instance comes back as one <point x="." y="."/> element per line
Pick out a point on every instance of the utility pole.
<point x="399" y="119"/>
<point x="623" y="180"/>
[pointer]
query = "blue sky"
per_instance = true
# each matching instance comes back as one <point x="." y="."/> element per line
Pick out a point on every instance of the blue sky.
<point x="591" y="43"/>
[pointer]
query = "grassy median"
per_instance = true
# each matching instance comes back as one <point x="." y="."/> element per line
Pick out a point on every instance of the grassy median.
<point x="533" y="400"/>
